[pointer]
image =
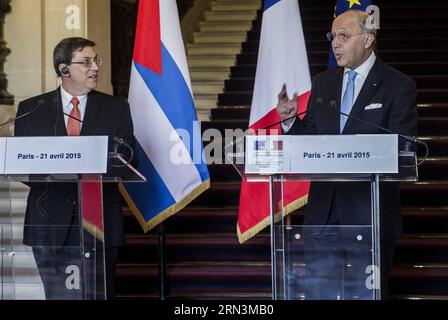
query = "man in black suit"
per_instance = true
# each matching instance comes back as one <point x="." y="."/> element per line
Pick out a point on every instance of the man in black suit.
<point x="364" y="87"/>
<point x="56" y="204"/>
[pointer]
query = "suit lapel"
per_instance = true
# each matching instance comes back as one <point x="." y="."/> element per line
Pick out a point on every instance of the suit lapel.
<point x="337" y="85"/>
<point x="56" y="115"/>
<point x="91" y="114"/>
<point x="370" y="85"/>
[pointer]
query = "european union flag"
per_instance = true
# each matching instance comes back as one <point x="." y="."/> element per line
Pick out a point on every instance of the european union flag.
<point x="341" y="7"/>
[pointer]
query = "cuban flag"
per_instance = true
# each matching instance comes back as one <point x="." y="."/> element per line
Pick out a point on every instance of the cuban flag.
<point x="282" y="58"/>
<point x="169" y="140"/>
<point x="341" y="7"/>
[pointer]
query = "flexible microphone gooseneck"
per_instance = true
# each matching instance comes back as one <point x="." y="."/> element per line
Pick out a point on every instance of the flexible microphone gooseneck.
<point x="406" y="137"/>
<point x="39" y="103"/>
<point x="117" y="140"/>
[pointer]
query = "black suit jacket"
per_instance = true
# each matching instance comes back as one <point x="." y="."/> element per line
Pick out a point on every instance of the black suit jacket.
<point x="397" y="94"/>
<point x="53" y="203"/>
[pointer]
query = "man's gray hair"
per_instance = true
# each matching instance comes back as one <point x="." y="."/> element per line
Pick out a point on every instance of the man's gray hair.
<point x="366" y="22"/>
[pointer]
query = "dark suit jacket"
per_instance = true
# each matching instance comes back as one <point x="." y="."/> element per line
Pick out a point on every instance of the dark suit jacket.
<point x="53" y="203"/>
<point x="397" y="94"/>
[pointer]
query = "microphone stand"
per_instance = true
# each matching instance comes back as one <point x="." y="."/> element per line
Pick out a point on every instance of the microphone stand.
<point x="161" y="244"/>
<point x="406" y="137"/>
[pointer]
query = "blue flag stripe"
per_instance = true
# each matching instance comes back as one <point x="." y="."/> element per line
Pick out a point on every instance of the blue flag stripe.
<point x="152" y="197"/>
<point x="269" y="3"/>
<point x="177" y="103"/>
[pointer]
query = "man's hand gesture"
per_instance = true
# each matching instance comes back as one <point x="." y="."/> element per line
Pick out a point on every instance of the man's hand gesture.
<point x="286" y="107"/>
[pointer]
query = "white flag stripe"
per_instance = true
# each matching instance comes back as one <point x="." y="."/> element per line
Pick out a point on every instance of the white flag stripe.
<point x="180" y="179"/>
<point x="282" y="58"/>
<point x="172" y="37"/>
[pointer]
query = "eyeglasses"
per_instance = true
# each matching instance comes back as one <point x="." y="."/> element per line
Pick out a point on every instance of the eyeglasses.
<point x="342" y="37"/>
<point x="89" y="61"/>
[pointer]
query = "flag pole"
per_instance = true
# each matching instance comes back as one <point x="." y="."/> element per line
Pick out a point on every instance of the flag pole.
<point x="161" y="259"/>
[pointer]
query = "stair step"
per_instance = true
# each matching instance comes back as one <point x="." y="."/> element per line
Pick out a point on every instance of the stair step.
<point x="428" y="193"/>
<point x="229" y="26"/>
<point x="387" y="31"/>
<point x="216" y="48"/>
<point x="189" y="295"/>
<point x="389" y="11"/>
<point x="422" y="279"/>
<point x="199" y="278"/>
<point x="196" y="247"/>
<point x="430" y="125"/>
<point x="424" y="96"/>
<point x="423" y="82"/>
<point x="426" y="125"/>
<point x="243" y="112"/>
<point x="210" y="61"/>
<point x="417" y="297"/>
<point x="192" y="220"/>
<point x="433" y="110"/>
<point x="396" y="19"/>
<point x="217" y="6"/>
<point x="198" y="220"/>
<point x="246" y="15"/>
<point x="420" y="43"/>
<point x="209" y="73"/>
<point x="413" y="248"/>
<point x="219" y="37"/>
<point x="433" y="169"/>
<point x="207" y="87"/>
<point x="225" y="247"/>
<point x="205" y="102"/>
<point x="416" y="69"/>
<point x="203" y="114"/>
<point x="414" y="56"/>
<point x="254" y="35"/>
<point x="204" y="277"/>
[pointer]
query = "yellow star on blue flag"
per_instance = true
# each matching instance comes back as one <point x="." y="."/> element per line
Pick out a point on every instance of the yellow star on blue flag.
<point x="353" y="2"/>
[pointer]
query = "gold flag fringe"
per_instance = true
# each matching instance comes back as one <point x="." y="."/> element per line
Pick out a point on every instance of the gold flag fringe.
<point x="148" y="225"/>
<point x="294" y="205"/>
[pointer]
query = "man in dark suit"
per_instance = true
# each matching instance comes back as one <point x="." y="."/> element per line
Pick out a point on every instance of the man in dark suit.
<point x="56" y="204"/>
<point x="364" y="87"/>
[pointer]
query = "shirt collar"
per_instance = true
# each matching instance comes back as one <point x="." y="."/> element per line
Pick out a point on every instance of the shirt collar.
<point x="67" y="97"/>
<point x="365" y="67"/>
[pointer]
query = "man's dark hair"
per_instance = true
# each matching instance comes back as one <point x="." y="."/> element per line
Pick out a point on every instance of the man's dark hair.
<point x="65" y="50"/>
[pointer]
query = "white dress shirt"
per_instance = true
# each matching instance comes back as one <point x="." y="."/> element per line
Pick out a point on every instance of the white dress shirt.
<point x="362" y="72"/>
<point x="67" y="105"/>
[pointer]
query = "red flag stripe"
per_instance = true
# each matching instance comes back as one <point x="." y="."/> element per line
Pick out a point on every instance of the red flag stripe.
<point x="148" y="43"/>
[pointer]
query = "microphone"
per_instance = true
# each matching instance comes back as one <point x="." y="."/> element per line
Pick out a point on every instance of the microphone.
<point x="39" y="103"/>
<point x="406" y="137"/>
<point x="117" y="140"/>
<point x="317" y="103"/>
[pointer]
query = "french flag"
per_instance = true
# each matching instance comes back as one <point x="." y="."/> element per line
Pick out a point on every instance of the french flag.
<point x="282" y="58"/>
<point x="169" y="140"/>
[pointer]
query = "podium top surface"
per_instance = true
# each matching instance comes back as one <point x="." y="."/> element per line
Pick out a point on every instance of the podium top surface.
<point x="322" y="158"/>
<point x="118" y="170"/>
<point x="64" y="159"/>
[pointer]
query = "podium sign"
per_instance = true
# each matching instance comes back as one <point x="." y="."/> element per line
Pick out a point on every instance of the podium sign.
<point x="56" y="155"/>
<point x="322" y="154"/>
